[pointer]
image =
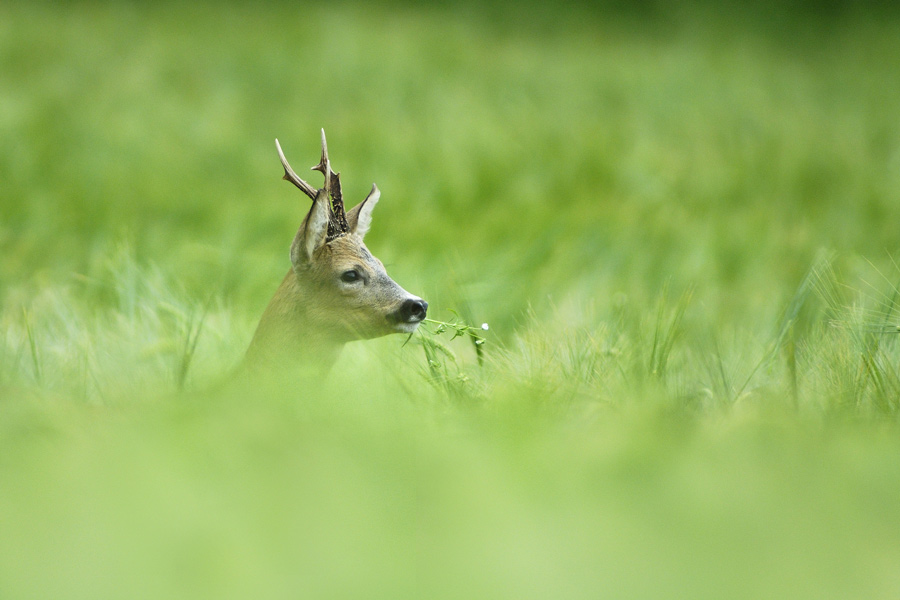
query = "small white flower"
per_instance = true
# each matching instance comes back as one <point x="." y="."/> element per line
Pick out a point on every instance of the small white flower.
<point x="484" y="326"/>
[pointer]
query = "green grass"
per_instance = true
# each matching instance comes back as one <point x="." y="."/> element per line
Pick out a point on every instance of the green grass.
<point x="680" y="226"/>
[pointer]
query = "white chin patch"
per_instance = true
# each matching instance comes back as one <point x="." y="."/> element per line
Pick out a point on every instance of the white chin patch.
<point x="405" y="327"/>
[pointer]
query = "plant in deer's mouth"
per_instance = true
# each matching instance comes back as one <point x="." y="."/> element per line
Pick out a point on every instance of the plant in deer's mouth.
<point x="439" y="356"/>
<point x="460" y="329"/>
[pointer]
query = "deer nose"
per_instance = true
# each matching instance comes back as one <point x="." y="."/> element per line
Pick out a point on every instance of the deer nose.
<point x="413" y="311"/>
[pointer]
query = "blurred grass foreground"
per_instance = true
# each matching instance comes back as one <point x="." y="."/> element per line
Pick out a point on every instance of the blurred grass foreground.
<point x="679" y="223"/>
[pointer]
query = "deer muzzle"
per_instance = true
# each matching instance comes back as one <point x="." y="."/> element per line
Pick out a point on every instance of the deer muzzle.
<point x="410" y="313"/>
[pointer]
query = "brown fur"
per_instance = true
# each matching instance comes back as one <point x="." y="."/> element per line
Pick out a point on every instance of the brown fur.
<point x="315" y="311"/>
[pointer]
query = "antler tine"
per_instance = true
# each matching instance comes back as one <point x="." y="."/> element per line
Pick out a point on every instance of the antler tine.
<point x="289" y="174"/>
<point x="324" y="165"/>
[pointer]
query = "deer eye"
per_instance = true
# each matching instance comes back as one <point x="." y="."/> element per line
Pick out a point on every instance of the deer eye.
<point x="350" y="276"/>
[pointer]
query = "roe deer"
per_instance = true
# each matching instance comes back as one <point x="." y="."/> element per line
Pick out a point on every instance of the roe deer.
<point x="335" y="290"/>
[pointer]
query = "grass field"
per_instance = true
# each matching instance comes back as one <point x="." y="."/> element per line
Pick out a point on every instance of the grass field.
<point x="680" y="226"/>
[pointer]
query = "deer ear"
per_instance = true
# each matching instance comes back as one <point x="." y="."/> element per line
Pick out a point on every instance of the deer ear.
<point x="360" y="216"/>
<point x="311" y="235"/>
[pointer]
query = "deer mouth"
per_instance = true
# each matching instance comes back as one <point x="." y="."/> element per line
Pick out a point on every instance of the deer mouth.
<point x="405" y="327"/>
<point x="409" y="315"/>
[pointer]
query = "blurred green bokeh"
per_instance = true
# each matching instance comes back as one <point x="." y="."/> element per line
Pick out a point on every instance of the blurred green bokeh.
<point x="600" y="151"/>
<point x="678" y="220"/>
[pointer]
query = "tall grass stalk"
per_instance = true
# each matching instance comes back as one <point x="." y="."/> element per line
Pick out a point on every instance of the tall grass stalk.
<point x="32" y="347"/>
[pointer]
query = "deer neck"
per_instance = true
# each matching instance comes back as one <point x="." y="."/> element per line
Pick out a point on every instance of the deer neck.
<point x="289" y="337"/>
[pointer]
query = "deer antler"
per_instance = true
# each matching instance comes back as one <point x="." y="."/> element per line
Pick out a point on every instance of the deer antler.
<point x="337" y="220"/>
<point x="289" y="175"/>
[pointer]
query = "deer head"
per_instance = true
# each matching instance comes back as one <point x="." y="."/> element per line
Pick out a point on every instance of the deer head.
<point x="336" y="291"/>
